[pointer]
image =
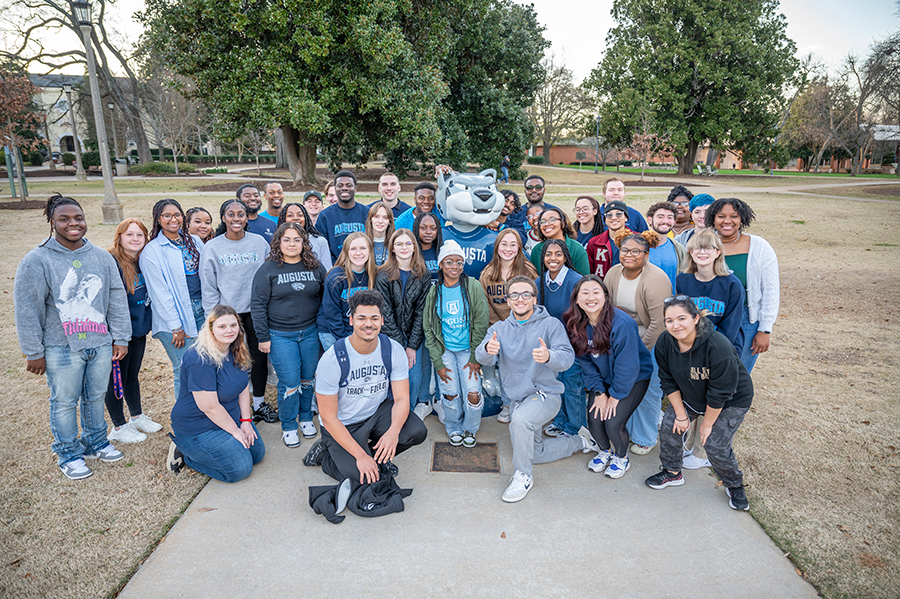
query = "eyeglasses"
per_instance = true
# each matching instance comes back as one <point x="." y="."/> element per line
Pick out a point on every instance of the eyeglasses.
<point x="582" y="210"/>
<point x="505" y="245"/>
<point x="403" y="244"/>
<point x="168" y="217"/>
<point x="524" y="295"/>
<point x="456" y="263"/>
<point x="534" y="187"/>
<point x="632" y="252"/>
<point x="548" y="221"/>
<point x="681" y="203"/>
<point x="615" y="214"/>
<point x="679" y="298"/>
<point x="704" y="250"/>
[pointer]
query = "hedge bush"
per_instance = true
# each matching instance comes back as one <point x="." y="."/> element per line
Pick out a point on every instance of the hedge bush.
<point x="215" y="169"/>
<point x="535" y="160"/>
<point x="90" y="159"/>
<point x="68" y="158"/>
<point x="162" y="168"/>
<point x="35" y="158"/>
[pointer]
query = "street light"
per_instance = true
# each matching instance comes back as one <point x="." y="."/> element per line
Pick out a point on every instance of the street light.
<point x="597" y="144"/>
<point x="112" y="119"/>
<point x="112" y="208"/>
<point x="80" y="175"/>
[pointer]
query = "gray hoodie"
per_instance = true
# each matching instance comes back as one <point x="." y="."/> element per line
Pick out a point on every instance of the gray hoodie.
<point x="522" y="376"/>
<point x="69" y="298"/>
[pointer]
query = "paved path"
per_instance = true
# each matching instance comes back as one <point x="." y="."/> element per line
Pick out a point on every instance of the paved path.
<point x="576" y="534"/>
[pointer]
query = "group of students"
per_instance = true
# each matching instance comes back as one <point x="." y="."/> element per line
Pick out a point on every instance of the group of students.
<point x="612" y="317"/>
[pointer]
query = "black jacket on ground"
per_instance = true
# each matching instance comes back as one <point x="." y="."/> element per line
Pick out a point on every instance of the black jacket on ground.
<point x="403" y="312"/>
<point x="709" y="374"/>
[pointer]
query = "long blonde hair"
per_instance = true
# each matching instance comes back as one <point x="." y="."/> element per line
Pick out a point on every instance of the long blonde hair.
<point x="127" y="263"/>
<point x="343" y="261"/>
<point x="707" y="239"/>
<point x="209" y="348"/>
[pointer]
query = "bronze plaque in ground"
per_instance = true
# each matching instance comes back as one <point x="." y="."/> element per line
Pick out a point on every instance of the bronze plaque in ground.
<point x="481" y="458"/>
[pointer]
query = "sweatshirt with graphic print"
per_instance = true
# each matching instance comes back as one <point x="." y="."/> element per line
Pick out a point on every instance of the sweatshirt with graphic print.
<point x="72" y="298"/>
<point x="227" y="268"/>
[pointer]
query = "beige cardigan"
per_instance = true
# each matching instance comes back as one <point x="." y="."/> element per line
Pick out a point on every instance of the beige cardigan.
<point x="653" y="288"/>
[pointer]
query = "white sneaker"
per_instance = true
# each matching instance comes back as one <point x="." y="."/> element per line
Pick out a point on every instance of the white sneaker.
<point x="618" y="467"/>
<point x="308" y="429"/>
<point x="422" y="410"/>
<point x="518" y="488"/>
<point x="587" y="440"/>
<point x="438" y="409"/>
<point x="600" y="461"/>
<point x="692" y="462"/>
<point x="503" y="416"/>
<point x="107" y="454"/>
<point x="127" y="433"/>
<point x="76" y="469"/>
<point x="290" y="438"/>
<point x="144" y="424"/>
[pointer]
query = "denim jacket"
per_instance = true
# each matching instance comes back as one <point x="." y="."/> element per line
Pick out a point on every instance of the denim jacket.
<point x="163" y="269"/>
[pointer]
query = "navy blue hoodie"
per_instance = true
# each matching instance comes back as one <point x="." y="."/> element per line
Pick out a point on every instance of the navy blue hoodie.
<point x="723" y="297"/>
<point x="627" y="362"/>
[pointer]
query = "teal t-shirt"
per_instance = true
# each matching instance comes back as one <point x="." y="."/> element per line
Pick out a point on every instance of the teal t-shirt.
<point x="454" y="327"/>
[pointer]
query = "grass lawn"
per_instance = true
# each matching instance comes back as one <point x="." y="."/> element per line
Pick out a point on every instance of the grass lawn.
<point x="819" y="448"/>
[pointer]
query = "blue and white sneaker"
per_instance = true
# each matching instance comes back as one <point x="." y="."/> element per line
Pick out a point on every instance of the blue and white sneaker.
<point x="106" y="454"/>
<point x="618" y="467"/>
<point x="600" y="461"/>
<point x="76" y="469"/>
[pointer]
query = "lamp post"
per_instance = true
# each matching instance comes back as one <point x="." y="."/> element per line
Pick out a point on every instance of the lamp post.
<point x="112" y="120"/>
<point x="597" y="144"/>
<point x="112" y="208"/>
<point x="80" y="175"/>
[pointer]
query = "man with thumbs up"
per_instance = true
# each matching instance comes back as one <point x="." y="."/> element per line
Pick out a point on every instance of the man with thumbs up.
<point x="531" y="385"/>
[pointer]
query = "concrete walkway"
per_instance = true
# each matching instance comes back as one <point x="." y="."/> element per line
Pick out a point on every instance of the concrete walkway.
<point x="577" y="534"/>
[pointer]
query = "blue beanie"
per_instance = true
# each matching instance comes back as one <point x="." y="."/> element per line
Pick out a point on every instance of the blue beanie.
<point x="703" y="199"/>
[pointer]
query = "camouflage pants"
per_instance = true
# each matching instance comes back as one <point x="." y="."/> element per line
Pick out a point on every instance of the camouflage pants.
<point x="718" y="444"/>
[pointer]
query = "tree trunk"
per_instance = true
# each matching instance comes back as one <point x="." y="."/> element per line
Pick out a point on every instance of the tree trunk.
<point x="301" y="157"/>
<point x="47" y="137"/>
<point x="175" y="158"/>
<point x="711" y="157"/>
<point x="280" y="159"/>
<point x="685" y="160"/>
<point x="546" y="151"/>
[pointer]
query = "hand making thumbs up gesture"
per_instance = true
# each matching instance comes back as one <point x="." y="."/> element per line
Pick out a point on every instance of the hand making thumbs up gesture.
<point x="493" y="346"/>
<point x="541" y="354"/>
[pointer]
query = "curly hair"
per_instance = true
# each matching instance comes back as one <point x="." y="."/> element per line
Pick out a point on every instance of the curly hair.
<point x="189" y="244"/>
<point x="307" y="257"/>
<point x="648" y="239"/>
<point x="311" y="230"/>
<point x="509" y="193"/>
<point x="740" y="206"/>
<point x="662" y="206"/>
<point x="679" y="190"/>
<point x="688" y="305"/>
<point x="577" y="321"/>
<point x="565" y="225"/>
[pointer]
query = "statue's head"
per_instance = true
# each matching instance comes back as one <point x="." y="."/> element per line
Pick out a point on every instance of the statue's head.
<point x="470" y="199"/>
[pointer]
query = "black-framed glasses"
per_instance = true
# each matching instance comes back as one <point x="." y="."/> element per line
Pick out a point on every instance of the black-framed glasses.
<point x="679" y="298"/>
<point x="523" y="295"/>
<point x="625" y="252"/>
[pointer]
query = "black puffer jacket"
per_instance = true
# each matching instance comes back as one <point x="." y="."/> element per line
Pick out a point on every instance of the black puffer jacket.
<point x="403" y="312"/>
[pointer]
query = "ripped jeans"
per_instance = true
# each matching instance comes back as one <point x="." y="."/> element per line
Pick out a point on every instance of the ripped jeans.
<point x="460" y="415"/>
<point x="294" y="356"/>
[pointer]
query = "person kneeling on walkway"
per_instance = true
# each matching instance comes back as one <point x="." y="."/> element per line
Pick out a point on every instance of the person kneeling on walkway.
<point x="531" y="385"/>
<point x="362" y="387"/>
<point x="212" y="418"/>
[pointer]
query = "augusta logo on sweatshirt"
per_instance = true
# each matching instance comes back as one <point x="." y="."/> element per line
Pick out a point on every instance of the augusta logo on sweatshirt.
<point x="76" y="305"/>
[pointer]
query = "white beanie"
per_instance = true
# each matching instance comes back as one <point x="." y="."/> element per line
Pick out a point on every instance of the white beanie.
<point x="450" y="248"/>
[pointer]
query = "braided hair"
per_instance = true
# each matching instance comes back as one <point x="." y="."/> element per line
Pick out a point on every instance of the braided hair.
<point x="54" y="202"/>
<point x="599" y="225"/>
<point x="308" y="227"/>
<point x="189" y="244"/>
<point x="438" y="296"/>
<point x="568" y="263"/>
<point x="220" y="230"/>
<point x="186" y="224"/>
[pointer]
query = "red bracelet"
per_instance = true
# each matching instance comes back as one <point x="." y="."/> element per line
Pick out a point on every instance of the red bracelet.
<point x="246" y="420"/>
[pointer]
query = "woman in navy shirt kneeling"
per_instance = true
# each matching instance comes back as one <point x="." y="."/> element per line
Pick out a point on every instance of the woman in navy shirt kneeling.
<point x="212" y="418"/>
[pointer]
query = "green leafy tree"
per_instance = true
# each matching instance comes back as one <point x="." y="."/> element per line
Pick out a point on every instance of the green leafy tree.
<point x="710" y="71"/>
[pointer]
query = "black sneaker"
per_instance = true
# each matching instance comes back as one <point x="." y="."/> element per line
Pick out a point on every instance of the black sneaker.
<point x="315" y="454"/>
<point x="175" y="461"/>
<point x="737" y="499"/>
<point x="664" y="478"/>
<point x="265" y="413"/>
<point x="389" y="468"/>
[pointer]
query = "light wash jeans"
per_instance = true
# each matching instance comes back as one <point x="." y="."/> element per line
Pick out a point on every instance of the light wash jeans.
<point x="77" y="377"/>
<point x="749" y="329"/>
<point x="526" y="421"/>
<point x="642" y="426"/>
<point x="176" y="353"/>
<point x="460" y="416"/>
<point x="327" y="340"/>
<point x="294" y="356"/>
<point x="573" y="412"/>
<point x="219" y="455"/>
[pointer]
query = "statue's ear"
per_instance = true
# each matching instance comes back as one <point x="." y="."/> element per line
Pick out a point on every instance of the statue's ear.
<point x="489" y="173"/>
<point x="441" y="179"/>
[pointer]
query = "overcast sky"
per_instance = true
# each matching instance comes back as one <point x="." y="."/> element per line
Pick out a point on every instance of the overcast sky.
<point x="577" y="28"/>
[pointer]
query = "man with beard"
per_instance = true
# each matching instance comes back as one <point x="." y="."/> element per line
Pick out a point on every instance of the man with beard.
<point x="535" y="187"/>
<point x="669" y="254"/>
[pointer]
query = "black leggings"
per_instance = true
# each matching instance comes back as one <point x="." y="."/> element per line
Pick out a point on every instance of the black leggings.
<point x="604" y="431"/>
<point x="130" y="366"/>
<point x="259" y="371"/>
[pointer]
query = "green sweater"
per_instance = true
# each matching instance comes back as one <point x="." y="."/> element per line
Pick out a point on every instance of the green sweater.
<point x="576" y="251"/>
<point x="431" y="323"/>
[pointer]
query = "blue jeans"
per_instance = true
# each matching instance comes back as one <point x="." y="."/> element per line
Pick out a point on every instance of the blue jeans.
<point x="426" y="371"/>
<point x="77" y="377"/>
<point x="327" y="340"/>
<point x="749" y="329"/>
<point x="641" y="426"/>
<point x="176" y="353"/>
<point x="218" y="455"/>
<point x="573" y="411"/>
<point x="294" y="356"/>
<point x="460" y="415"/>
<point x="505" y="177"/>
